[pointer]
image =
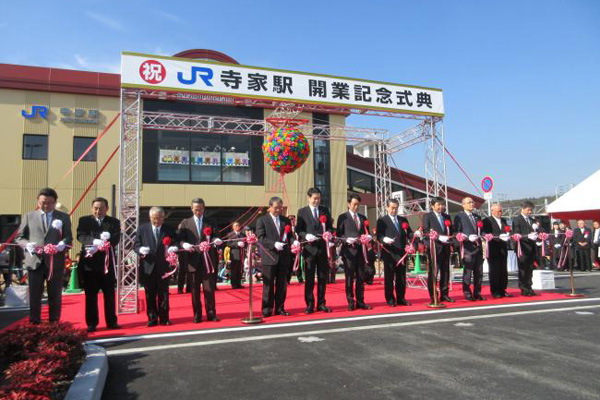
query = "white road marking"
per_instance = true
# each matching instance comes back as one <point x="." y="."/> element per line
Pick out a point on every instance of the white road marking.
<point x="118" y="352"/>
<point x="310" y="339"/>
<point x="463" y="324"/>
<point x="335" y="320"/>
<point x="584" y="312"/>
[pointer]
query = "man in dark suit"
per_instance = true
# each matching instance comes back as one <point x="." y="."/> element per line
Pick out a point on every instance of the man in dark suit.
<point x="310" y="229"/>
<point x="556" y="239"/>
<point x="393" y="238"/>
<point x="436" y="221"/>
<point x="466" y="222"/>
<point x="350" y="226"/>
<point x="150" y="244"/>
<point x="497" y="252"/>
<point x="46" y="225"/>
<point x="582" y="242"/>
<point x="98" y="267"/>
<point x="596" y="244"/>
<point x="192" y="232"/>
<point x="525" y="226"/>
<point x="236" y="254"/>
<point x="276" y="241"/>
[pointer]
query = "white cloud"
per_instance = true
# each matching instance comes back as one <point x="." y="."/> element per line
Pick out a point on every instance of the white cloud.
<point x="106" y="20"/>
<point x="81" y="61"/>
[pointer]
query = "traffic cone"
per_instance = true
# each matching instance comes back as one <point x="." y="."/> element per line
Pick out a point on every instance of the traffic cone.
<point x="418" y="269"/>
<point x="73" y="281"/>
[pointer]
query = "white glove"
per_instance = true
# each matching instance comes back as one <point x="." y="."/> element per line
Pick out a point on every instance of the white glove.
<point x="443" y="238"/>
<point x="187" y="246"/>
<point x="535" y="227"/>
<point x="310" y="237"/>
<point x="388" y="240"/>
<point x="350" y="240"/>
<point x="504" y="236"/>
<point x="105" y="236"/>
<point x="92" y="250"/>
<point x="97" y="242"/>
<point x="217" y="242"/>
<point x="31" y="247"/>
<point x="279" y="245"/>
<point x="331" y="244"/>
<point x="557" y="246"/>
<point x="172" y="249"/>
<point x="418" y="234"/>
<point x="241" y="245"/>
<point x="533" y="236"/>
<point x="61" y="246"/>
<point x="144" y="250"/>
<point x="539" y="244"/>
<point x="473" y="238"/>
<point x="370" y="237"/>
<point x="296" y="243"/>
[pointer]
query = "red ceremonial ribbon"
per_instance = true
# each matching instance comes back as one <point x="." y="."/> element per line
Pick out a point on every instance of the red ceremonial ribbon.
<point x="517" y="238"/>
<point x="364" y="240"/>
<point x="433" y="235"/>
<point x="50" y="250"/>
<point x="565" y="253"/>
<point x="327" y="236"/>
<point x="487" y="237"/>
<point x="448" y="223"/>
<point x="543" y="236"/>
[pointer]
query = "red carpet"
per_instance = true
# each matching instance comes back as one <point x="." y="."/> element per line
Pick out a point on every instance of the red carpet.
<point x="232" y="306"/>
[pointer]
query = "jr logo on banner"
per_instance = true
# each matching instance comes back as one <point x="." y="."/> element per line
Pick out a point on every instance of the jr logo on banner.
<point x="206" y="74"/>
<point x="35" y="110"/>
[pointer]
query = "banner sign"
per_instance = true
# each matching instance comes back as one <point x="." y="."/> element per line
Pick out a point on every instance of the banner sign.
<point x="199" y="76"/>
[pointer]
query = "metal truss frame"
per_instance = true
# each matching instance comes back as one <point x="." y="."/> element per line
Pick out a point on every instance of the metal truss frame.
<point x="134" y="120"/>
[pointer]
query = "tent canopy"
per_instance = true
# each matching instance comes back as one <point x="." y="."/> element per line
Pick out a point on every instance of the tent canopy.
<point x="581" y="202"/>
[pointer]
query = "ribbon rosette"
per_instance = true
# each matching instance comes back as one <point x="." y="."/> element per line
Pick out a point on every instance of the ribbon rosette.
<point x="57" y="224"/>
<point x="461" y="237"/>
<point x="327" y="236"/>
<point x="565" y="248"/>
<point x="433" y="235"/>
<point x="364" y="241"/>
<point x="207" y="232"/>
<point x="286" y="231"/>
<point x="543" y="236"/>
<point x="204" y="248"/>
<point x="517" y="238"/>
<point x="107" y="249"/>
<point x="408" y="249"/>
<point x="569" y="233"/>
<point x="297" y="250"/>
<point x="479" y="226"/>
<point x="251" y="239"/>
<point x="172" y="260"/>
<point x="50" y="250"/>
<point x="448" y="224"/>
<point x="487" y="237"/>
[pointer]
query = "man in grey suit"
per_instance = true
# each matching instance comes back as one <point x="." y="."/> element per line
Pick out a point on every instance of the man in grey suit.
<point x="39" y="228"/>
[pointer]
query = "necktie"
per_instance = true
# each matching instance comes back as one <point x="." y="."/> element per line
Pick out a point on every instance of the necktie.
<point x="472" y="218"/>
<point x="441" y="220"/>
<point x="395" y="220"/>
<point x="99" y="222"/>
<point x="357" y="222"/>
<point x="45" y="222"/>
<point x="315" y="214"/>
<point x="199" y="226"/>
<point x="155" y="234"/>
<point x="277" y="224"/>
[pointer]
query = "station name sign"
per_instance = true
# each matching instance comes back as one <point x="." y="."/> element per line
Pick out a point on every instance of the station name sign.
<point x="199" y="76"/>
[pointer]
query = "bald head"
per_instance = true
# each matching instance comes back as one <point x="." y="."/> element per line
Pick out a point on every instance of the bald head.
<point x="468" y="204"/>
<point x="497" y="210"/>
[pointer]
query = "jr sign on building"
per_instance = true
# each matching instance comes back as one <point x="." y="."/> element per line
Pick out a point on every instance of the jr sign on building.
<point x="184" y="75"/>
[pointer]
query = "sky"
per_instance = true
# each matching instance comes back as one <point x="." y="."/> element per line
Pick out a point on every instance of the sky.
<point x="521" y="79"/>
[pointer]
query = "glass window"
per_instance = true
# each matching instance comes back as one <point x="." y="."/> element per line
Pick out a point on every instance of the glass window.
<point x="35" y="147"/>
<point x="173" y="156"/>
<point x="80" y="145"/>
<point x="206" y="157"/>
<point x="236" y="159"/>
<point x="359" y="182"/>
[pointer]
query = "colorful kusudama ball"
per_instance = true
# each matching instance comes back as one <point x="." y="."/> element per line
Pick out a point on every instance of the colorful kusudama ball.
<point x="286" y="149"/>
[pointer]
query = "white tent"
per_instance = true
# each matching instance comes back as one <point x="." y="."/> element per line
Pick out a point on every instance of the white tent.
<point x="581" y="202"/>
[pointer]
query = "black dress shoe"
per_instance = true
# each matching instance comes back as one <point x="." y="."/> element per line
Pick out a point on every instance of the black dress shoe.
<point x="404" y="303"/>
<point x="364" y="307"/>
<point x="507" y="295"/>
<point x="197" y="319"/>
<point x="468" y="297"/>
<point x="532" y="293"/>
<point x="267" y="314"/>
<point x="351" y="307"/>
<point x="479" y="297"/>
<point x="525" y="293"/>
<point x="391" y="303"/>
<point x="180" y="291"/>
<point x="497" y="296"/>
<point x="282" y="312"/>
<point x="213" y="318"/>
<point x="113" y="326"/>
<point x="166" y="323"/>
<point x="152" y="323"/>
<point x="446" y="299"/>
<point x="309" y="310"/>
<point x="324" y="309"/>
<point x="91" y="329"/>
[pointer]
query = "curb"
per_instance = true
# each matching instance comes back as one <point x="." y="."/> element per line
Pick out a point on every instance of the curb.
<point x="89" y="381"/>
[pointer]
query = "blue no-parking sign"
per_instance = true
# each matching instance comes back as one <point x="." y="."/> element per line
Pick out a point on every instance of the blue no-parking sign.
<point x="487" y="184"/>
